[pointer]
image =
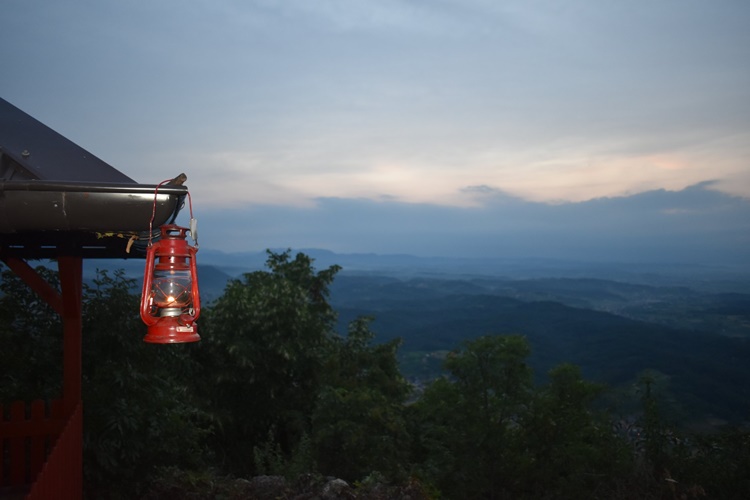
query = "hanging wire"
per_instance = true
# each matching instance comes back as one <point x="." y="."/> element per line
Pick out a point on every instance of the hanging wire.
<point x="153" y="211"/>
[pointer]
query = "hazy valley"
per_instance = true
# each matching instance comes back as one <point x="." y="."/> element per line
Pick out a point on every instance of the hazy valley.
<point x="690" y="325"/>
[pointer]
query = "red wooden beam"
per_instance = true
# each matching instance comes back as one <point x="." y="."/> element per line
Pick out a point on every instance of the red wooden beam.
<point x="29" y="275"/>
<point x="68" y="305"/>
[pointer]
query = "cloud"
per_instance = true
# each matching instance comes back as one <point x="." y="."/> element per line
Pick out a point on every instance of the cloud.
<point x="287" y="103"/>
<point x="696" y="224"/>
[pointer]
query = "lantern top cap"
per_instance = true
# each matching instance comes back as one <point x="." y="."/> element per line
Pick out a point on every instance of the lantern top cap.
<point x="169" y="230"/>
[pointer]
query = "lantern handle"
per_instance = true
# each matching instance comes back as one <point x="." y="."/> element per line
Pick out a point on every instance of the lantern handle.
<point x="193" y="221"/>
<point x="195" y="292"/>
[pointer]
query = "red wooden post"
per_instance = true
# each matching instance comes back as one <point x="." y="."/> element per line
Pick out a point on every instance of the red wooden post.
<point x="38" y="448"/>
<point x="61" y="478"/>
<point x="2" y="448"/>
<point x="71" y="283"/>
<point x="17" y="448"/>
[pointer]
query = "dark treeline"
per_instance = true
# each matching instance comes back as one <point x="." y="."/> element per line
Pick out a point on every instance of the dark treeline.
<point x="272" y="389"/>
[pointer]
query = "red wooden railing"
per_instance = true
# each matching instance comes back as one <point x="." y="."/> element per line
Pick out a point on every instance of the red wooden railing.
<point x="61" y="476"/>
<point x="40" y="452"/>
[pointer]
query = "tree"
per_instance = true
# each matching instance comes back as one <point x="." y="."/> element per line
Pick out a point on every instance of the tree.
<point x="470" y="423"/>
<point x="137" y="403"/>
<point x="263" y="347"/>
<point x="486" y="432"/>
<point x="139" y="409"/>
<point x="358" y="424"/>
<point x="31" y="333"/>
<point x="570" y="448"/>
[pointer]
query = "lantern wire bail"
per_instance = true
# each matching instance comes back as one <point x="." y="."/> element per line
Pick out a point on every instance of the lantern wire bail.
<point x="193" y="222"/>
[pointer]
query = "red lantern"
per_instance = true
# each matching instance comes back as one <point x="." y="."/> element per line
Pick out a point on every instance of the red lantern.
<point x="170" y="303"/>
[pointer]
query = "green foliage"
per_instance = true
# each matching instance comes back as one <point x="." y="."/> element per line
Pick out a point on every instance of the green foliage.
<point x="270" y="459"/>
<point x="272" y="389"/>
<point x="654" y="428"/>
<point x="716" y="464"/>
<point x="486" y="432"/>
<point x="493" y="374"/>
<point x="612" y="330"/>
<point x="139" y="410"/>
<point x="31" y="333"/>
<point x="285" y="385"/>
<point x="569" y="448"/>
<point x="468" y="426"/>
<point x="354" y="362"/>
<point x="264" y="341"/>
<point x="174" y="483"/>
<point x="358" y="424"/>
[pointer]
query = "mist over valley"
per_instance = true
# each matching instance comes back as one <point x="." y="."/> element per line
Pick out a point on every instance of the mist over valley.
<point x="690" y="324"/>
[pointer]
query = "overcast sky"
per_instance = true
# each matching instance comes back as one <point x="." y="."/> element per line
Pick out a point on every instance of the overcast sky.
<point x="449" y="127"/>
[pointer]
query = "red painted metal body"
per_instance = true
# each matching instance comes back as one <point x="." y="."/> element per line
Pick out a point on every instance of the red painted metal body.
<point x="170" y="302"/>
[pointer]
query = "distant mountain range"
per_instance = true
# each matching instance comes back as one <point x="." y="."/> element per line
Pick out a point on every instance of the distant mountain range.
<point x="216" y="268"/>
<point x="699" y="342"/>
<point x="690" y="324"/>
